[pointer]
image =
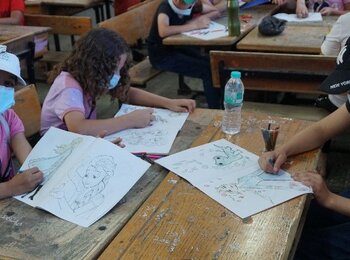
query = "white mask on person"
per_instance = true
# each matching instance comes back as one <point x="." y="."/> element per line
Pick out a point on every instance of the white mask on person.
<point x="114" y="81"/>
<point x="7" y="98"/>
<point x="185" y="12"/>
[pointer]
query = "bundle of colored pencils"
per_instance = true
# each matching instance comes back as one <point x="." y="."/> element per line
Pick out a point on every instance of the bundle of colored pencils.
<point x="270" y="136"/>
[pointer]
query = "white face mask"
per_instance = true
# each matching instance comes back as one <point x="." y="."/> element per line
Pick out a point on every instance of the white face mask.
<point x="114" y="81"/>
<point x="186" y="12"/>
<point x="7" y="98"/>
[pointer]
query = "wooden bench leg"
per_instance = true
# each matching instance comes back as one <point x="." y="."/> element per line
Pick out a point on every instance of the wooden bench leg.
<point x="183" y="89"/>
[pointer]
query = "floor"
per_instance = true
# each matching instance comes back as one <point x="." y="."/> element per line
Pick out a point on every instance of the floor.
<point x="166" y="84"/>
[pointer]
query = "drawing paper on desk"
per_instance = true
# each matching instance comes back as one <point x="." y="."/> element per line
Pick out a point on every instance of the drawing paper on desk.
<point x="231" y="175"/>
<point x="312" y="17"/>
<point x="156" y="138"/>
<point x="84" y="176"/>
<point x="214" y="31"/>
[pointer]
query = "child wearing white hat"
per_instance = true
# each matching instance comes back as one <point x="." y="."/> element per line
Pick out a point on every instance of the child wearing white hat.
<point x="12" y="138"/>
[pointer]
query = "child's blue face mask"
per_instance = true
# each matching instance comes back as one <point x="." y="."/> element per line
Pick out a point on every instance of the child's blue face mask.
<point x="7" y="98"/>
<point x="179" y="11"/>
<point x="114" y="81"/>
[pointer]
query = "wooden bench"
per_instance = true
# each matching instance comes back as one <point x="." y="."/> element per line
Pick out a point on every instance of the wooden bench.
<point x="61" y="25"/>
<point x="134" y="26"/>
<point x="28" y="108"/>
<point x="296" y="73"/>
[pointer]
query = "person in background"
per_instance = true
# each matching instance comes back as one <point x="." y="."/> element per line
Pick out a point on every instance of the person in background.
<point x="329" y="7"/>
<point x="12" y="12"/>
<point x="334" y="42"/>
<point x="326" y="233"/>
<point x="12" y="138"/>
<point x="98" y="65"/>
<point x="174" y="17"/>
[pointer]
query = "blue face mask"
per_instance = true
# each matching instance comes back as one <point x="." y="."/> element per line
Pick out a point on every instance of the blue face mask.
<point x="7" y="98"/>
<point x="114" y="81"/>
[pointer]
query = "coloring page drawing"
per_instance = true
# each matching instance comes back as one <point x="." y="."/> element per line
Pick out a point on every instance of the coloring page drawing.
<point x="231" y="175"/>
<point x="158" y="137"/>
<point x="85" y="177"/>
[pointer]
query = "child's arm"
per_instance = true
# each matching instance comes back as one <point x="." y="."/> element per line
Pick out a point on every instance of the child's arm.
<point x="335" y="11"/>
<point x="15" y="18"/>
<point x="166" y="30"/>
<point x="20" y="147"/>
<point x="301" y="9"/>
<point x="140" y="97"/>
<point x="77" y="123"/>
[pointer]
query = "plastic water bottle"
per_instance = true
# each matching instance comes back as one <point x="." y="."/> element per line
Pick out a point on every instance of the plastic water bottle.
<point x="233" y="101"/>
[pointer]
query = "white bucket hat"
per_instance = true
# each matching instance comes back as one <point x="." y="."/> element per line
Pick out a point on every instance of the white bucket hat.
<point x="10" y="63"/>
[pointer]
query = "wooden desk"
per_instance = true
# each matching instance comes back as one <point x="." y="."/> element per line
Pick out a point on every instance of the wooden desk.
<point x="67" y="7"/>
<point x="258" y="12"/>
<point x="296" y="38"/>
<point x="29" y="233"/>
<point x="180" y="222"/>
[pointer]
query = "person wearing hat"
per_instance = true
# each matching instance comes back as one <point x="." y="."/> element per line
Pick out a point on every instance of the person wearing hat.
<point x="326" y="233"/>
<point x="12" y="12"/>
<point x="174" y="17"/>
<point x="12" y="138"/>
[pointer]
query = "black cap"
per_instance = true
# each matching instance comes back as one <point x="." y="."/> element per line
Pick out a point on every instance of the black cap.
<point x="270" y="26"/>
<point x="339" y="80"/>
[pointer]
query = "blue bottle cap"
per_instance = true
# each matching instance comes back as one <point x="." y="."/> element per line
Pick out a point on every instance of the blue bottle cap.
<point x="236" y="74"/>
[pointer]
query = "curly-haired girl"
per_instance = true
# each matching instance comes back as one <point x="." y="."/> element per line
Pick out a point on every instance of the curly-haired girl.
<point x="98" y="64"/>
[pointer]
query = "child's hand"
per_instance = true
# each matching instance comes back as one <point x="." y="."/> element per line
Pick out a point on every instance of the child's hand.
<point x="327" y="11"/>
<point x="200" y="22"/>
<point x="318" y="185"/>
<point x="25" y="182"/>
<point x="117" y="141"/>
<point x="301" y="11"/>
<point x="272" y="161"/>
<point x="141" y="118"/>
<point x="182" y="105"/>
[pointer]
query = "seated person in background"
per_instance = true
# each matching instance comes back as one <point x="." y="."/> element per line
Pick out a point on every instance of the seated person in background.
<point x="11" y="12"/>
<point x="12" y="137"/>
<point x="174" y="17"/>
<point x="335" y="40"/>
<point x="98" y="65"/>
<point x="325" y="7"/>
<point x="219" y="5"/>
<point x="326" y="233"/>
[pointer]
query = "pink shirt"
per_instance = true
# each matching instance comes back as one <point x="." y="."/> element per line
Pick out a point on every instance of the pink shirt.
<point x="65" y="95"/>
<point x="15" y="126"/>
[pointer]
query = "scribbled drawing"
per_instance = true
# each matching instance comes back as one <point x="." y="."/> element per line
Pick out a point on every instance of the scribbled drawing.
<point x="150" y="137"/>
<point x="49" y="165"/>
<point x="83" y="192"/>
<point x="174" y="114"/>
<point x="190" y="166"/>
<point x="160" y="119"/>
<point x="260" y="183"/>
<point x="229" y="155"/>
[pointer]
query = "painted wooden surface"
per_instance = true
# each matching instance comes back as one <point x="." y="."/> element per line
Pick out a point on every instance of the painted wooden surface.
<point x="180" y="222"/>
<point x="29" y="233"/>
<point x="296" y="38"/>
<point x="257" y="13"/>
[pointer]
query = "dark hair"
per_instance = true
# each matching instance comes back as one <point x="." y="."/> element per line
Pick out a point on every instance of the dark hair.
<point x="94" y="58"/>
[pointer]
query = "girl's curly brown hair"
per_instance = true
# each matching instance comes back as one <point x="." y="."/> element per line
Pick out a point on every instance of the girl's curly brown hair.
<point x="92" y="62"/>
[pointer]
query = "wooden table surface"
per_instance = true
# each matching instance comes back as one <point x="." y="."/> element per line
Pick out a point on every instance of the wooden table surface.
<point x="296" y="38"/>
<point x="257" y="12"/>
<point x="180" y="222"/>
<point x="17" y="37"/>
<point x="29" y="233"/>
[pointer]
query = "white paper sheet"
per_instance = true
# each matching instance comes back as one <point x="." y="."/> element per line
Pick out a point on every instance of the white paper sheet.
<point x="312" y="17"/>
<point x="156" y="138"/>
<point x="215" y="30"/>
<point x="88" y="176"/>
<point x="231" y="175"/>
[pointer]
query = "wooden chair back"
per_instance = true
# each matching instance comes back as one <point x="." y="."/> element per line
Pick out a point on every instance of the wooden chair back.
<point x="66" y="25"/>
<point x="133" y="25"/>
<point x="299" y="73"/>
<point x="28" y="108"/>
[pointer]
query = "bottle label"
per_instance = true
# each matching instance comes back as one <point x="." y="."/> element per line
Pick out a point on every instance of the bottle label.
<point x="234" y="98"/>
